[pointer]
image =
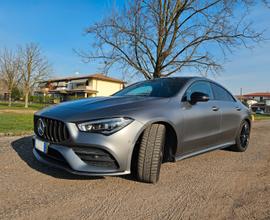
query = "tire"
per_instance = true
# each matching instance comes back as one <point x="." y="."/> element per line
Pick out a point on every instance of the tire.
<point x="242" y="138"/>
<point x="151" y="153"/>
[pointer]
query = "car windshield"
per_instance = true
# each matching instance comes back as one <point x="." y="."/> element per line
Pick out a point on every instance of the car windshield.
<point x="154" y="88"/>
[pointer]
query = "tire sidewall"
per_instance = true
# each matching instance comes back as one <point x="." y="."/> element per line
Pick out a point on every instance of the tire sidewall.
<point x="162" y="154"/>
<point x="238" y="138"/>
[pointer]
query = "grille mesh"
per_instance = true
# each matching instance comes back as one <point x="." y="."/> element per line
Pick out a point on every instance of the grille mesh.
<point x="55" y="131"/>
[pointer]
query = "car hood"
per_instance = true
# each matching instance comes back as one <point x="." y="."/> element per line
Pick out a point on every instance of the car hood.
<point x="100" y="107"/>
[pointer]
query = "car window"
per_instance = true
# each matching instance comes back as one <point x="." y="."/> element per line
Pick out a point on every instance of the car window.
<point x="221" y="94"/>
<point x="143" y="90"/>
<point x="202" y="86"/>
<point x="165" y="87"/>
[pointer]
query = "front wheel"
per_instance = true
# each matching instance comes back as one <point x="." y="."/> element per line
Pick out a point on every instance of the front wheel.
<point x="242" y="138"/>
<point x="151" y="153"/>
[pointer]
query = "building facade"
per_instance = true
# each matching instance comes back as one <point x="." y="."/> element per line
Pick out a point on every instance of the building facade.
<point x="69" y="88"/>
<point x="262" y="99"/>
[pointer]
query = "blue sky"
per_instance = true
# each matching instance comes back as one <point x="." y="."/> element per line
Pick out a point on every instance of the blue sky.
<point x="58" y="26"/>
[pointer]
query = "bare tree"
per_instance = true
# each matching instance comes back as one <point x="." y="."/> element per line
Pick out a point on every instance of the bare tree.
<point x="35" y="68"/>
<point x="9" y="70"/>
<point x="158" y="38"/>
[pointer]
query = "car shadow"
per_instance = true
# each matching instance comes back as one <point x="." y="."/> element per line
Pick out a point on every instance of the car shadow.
<point x="23" y="147"/>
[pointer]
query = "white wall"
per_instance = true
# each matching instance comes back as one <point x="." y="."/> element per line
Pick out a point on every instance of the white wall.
<point x="106" y="88"/>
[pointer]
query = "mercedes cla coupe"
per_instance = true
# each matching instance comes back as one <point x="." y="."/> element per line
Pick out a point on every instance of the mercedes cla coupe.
<point x="140" y="127"/>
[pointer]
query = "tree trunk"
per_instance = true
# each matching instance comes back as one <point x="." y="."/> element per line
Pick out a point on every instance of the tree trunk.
<point x="26" y="98"/>
<point x="156" y="74"/>
<point x="9" y="99"/>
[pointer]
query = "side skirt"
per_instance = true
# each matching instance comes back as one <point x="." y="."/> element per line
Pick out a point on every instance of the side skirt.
<point x="182" y="157"/>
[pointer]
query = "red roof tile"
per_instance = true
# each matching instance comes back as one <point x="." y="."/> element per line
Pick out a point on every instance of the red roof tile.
<point x="258" y="94"/>
<point x="93" y="76"/>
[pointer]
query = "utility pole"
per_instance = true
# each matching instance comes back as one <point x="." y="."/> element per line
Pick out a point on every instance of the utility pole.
<point x="241" y="94"/>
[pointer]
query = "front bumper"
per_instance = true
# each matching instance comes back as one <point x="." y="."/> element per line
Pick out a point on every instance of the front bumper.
<point x="89" y="171"/>
<point x="93" y="154"/>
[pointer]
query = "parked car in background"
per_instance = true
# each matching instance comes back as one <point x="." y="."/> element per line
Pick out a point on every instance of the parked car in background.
<point x="141" y="126"/>
<point x="259" y="112"/>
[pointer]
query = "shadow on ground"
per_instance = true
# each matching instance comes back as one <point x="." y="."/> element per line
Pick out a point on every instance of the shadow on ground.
<point x="23" y="147"/>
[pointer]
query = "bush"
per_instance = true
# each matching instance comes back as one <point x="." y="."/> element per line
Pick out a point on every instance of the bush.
<point x="41" y="99"/>
<point x="16" y="94"/>
<point x="73" y="97"/>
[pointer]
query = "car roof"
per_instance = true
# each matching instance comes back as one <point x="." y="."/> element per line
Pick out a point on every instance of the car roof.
<point x="179" y="77"/>
<point x="194" y="78"/>
<point x="186" y="77"/>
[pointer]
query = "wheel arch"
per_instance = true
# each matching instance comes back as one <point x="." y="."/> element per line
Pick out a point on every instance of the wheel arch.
<point x="171" y="142"/>
<point x="248" y="120"/>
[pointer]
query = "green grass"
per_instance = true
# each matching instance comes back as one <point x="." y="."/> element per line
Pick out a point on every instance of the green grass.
<point x="261" y="117"/>
<point x="20" y="105"/>
<point x="19" y="121"/>
<point x="16" y="123"/>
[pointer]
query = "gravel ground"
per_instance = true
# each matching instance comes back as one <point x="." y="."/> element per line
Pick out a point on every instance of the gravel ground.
<point x="216" y="185"/>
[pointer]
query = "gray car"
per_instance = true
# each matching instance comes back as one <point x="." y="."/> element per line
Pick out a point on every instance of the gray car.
<point x="141" y="126"/>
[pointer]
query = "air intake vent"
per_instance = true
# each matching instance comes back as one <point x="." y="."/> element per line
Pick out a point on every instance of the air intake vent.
<point x="53" y="131"/>
<point x="96" y="157"/>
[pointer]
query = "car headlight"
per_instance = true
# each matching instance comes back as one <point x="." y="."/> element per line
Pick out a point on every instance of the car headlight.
<point x="104" y="126"/>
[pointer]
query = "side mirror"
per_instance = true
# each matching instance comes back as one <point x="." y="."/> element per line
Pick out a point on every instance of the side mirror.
<point x="198" y="97"/>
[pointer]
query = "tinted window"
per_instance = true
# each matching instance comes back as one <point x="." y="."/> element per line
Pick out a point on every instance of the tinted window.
<point x="154" y="88"/>
<point x="142" y="90"/>
<point x="221" y="94"/>
<point x="203" y="87"/>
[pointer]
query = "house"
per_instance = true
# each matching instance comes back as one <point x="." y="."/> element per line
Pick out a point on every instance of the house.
<point x="69" y="88"/>
<point x="258" y="96"/>
<point x="262" y="99"/>
<point x="3" y="90"/>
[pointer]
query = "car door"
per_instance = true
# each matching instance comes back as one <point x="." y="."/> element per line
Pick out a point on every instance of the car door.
<point x="230" y="113"/>
<point x="202" y="120"/>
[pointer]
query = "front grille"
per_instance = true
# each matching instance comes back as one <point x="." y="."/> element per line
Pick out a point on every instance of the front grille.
<point x="96" y="157"/>
<point x="55" y="131"/>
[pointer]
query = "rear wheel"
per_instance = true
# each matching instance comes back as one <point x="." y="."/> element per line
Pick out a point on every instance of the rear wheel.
<point x="242" y="138"/>
<point x="151" y="153"/>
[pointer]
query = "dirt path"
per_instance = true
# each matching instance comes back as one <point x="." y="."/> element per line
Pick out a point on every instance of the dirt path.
<point x="216" y="185"/>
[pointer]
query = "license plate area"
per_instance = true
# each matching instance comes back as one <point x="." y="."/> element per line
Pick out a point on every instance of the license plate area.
<point x="41" y="146"/>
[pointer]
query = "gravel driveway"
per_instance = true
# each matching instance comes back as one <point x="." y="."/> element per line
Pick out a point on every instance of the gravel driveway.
<point x="216" y="185"/>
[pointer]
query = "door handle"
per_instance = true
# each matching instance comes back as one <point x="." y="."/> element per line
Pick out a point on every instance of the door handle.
<point x="215" y="108"/>
<point x="238" y="108"/>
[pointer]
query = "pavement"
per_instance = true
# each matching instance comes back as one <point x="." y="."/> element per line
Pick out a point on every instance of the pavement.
<point x="216" y="185"/>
